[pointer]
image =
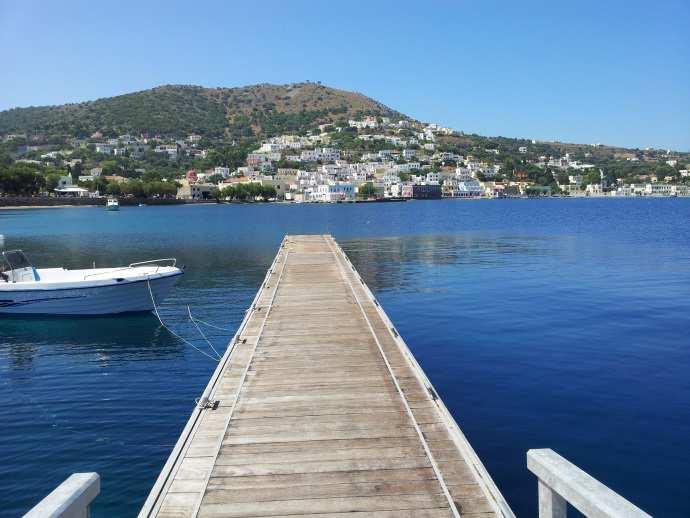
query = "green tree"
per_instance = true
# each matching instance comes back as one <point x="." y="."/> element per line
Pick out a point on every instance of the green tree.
<point x="563" y="178"/>
<point x="110" y="167"/>
<point x="366" y="190"/>
<point x="113" y="189"/>
<point x="52" y="180"/>
<point x="21" y="179"/>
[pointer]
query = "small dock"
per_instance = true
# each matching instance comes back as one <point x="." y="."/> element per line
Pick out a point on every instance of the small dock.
<point x="318" y="408"/>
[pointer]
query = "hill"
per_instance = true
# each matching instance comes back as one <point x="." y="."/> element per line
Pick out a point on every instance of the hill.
<point x="176" y="110"/>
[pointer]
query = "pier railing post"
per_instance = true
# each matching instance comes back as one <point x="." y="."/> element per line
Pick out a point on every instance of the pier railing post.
<point x="71" y="499"/>
<point x="562" y="483"/>
<point x="551" y="504"/>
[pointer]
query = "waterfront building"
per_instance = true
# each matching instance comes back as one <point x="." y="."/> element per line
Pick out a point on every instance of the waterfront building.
<point x="333" y="192"/>
<point x="594" y="189"/>
<point x="658" y="189"/>
<point x="422" y="191"/>
<point x="195" y="191"/>
<point x="468" y="188"/>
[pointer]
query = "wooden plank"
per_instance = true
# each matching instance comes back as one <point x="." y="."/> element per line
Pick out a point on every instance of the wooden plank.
<point x="268" y="482"/>
<point x="399" y="513"/>
<point x="229" y="458"/>
<point x="217" y="495"/>
<point x="323" y="505"/>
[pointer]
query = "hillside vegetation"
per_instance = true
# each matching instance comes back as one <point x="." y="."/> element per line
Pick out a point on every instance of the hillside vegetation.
<point x="177" y="110"/>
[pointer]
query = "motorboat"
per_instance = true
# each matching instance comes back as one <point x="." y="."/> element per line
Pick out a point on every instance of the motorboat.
<point x="112" y="204"/>
<point x="26" y="290"/>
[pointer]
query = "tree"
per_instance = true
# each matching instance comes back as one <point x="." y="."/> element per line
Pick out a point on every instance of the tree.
<point x="366" y="190"/>
<point x="268" y="192"/>
<point x="133" y="188"/>
<point x="214" y="178"/>
<point x="20" y="179"/>
<point x="52" y="181"/>
<point x="110" y="167"/>
<point x="113" y="189"/>
<point x="591" y="177"/>
<point x="563" y="178"/>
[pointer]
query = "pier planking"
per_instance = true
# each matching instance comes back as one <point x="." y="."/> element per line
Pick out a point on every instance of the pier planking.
<point x="321" y="411"/>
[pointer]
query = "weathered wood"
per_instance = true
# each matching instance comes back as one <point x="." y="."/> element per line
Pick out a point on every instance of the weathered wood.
<point x="561" y="483"/>
<point x="322" y="412"/>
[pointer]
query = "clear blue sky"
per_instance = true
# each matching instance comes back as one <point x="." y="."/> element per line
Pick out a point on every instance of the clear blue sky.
<point x="614" y="72"/>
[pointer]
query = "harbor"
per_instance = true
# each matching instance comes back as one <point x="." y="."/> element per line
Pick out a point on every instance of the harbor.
<point x="305" y="417"/>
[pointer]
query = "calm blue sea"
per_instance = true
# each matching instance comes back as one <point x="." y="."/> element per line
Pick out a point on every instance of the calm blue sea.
<point x="542" y="323"/>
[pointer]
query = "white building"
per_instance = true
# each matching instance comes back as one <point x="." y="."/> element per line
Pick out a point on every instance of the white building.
<point x="271" y="147"/>
<point x="333" y="191"/>
<point x="433" y="177"/>
<point x="594" y="189"/>
<point x="454" y="188"/>
<point x="367" y="122"/>
<point x="463" y="173"/>
<point x="329" y="154"/>
<point x="310" y="155"/>
<point x="658" y="189"/>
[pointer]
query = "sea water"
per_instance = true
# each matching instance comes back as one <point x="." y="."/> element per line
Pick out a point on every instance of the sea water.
<point x="559" y="324"/>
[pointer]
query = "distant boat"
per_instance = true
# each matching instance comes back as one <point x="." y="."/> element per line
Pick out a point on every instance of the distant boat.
<point x="112" y="204"/>
<point x="25" y="290"/>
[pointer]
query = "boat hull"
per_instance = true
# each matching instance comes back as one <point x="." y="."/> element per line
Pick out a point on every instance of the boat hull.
<point x="111" y="299"/>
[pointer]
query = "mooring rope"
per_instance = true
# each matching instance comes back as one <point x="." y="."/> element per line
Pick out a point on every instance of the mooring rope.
<point x="191" y="318"/>
<point x="155" y="310"/>
<point x="198" y="320"/>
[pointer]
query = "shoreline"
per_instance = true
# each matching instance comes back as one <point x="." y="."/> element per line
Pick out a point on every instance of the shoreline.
<point x="85" y="206"/>
<point x="24" y="207"/>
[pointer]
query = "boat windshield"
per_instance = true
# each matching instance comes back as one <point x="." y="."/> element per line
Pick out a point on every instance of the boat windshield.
<point x="16" y="260"/>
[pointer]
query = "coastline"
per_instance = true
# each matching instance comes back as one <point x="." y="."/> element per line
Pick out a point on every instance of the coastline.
<point x="210" y="202"/>
<point x="24" y="207"/>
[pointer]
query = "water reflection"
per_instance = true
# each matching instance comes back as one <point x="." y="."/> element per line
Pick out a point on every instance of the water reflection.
<point x="394" y="262"/>
<point x="106" y="337"/>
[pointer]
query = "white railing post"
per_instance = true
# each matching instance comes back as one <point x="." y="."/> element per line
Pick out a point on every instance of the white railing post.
<point x="551" y="504"/>
<point x="562" y="483"/>
<point x="71" y="499"/>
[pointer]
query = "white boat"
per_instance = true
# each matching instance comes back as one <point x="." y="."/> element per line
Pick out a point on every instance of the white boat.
<point x="25" y="290"/>
<point x="112" y="204"/>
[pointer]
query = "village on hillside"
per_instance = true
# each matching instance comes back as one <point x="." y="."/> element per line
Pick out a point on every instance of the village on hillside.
<point x="367" y="158"/>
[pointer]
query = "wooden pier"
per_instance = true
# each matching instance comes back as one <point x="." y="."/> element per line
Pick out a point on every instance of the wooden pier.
<point x="318" y="408"/>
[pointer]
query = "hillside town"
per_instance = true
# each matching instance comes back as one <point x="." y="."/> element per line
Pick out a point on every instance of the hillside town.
<point x="367" y="158"/>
